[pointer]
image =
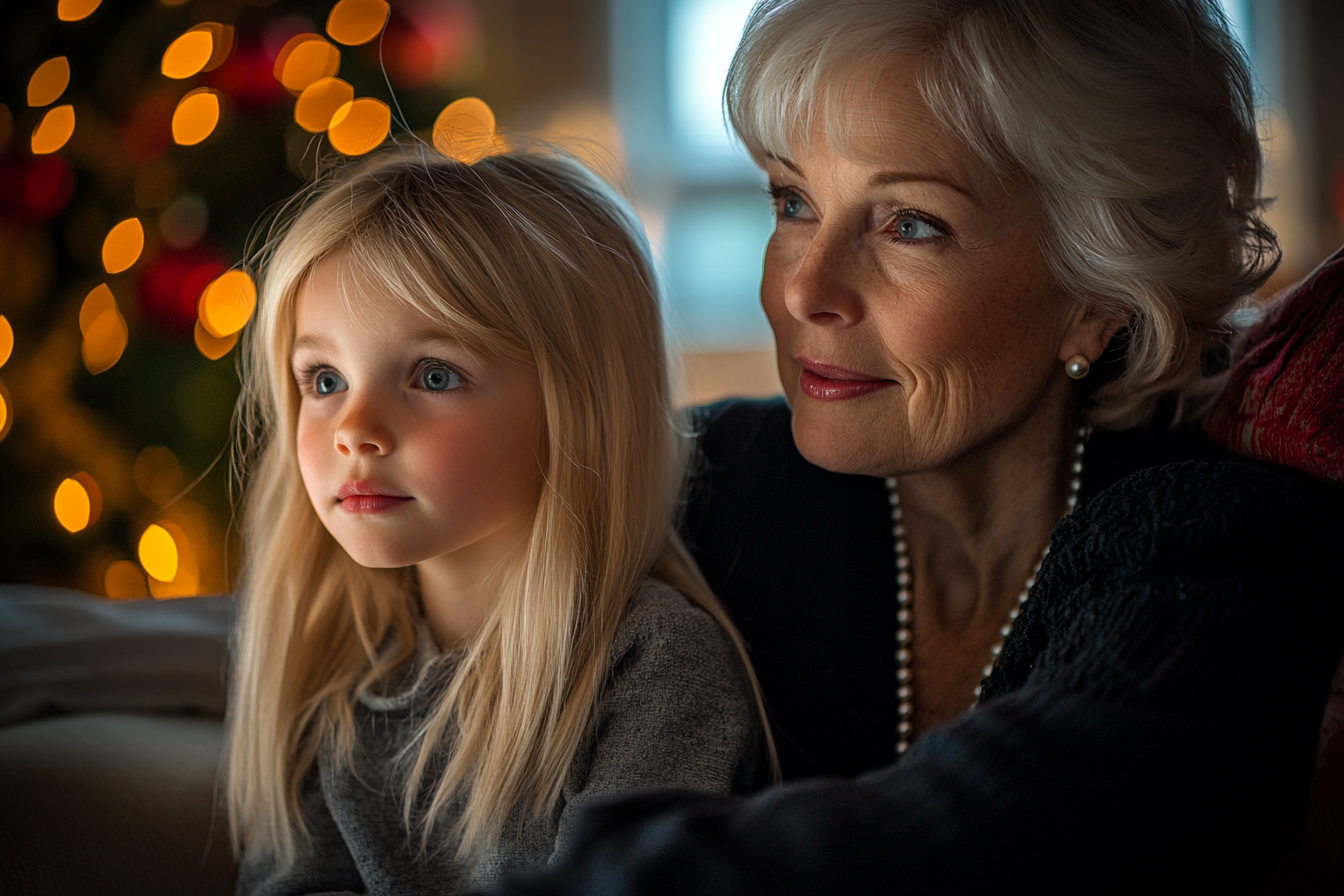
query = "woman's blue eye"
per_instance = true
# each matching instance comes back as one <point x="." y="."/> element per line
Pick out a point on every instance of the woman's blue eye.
<point x="908" y="228"/>
<point x="439" y="379"/>
<point x="328" y="381"/>
<point x="792" y="206"/>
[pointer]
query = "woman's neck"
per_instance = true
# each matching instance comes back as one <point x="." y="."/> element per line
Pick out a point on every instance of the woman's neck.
<point x="975" y="531"/>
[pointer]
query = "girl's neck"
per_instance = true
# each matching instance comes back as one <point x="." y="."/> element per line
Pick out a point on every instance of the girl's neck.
<point x="459" y="589"/>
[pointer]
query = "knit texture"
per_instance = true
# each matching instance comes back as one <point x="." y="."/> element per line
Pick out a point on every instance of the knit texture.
<point x="1151" y="724"/>
<point x="675" y="711"/>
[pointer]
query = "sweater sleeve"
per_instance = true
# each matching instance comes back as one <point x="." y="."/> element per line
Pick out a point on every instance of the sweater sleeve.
<point x="676" y="711"/>
<point x="1153" y="719"/>
<point x="323" y="864"/>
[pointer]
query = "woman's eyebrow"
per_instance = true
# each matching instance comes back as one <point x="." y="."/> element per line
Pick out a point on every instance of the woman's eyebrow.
<point x="787" y="164"/>
<point x="886" y="178"/>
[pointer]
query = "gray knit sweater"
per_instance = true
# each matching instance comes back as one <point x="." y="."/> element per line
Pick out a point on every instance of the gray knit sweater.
<point x="675" y="711"/>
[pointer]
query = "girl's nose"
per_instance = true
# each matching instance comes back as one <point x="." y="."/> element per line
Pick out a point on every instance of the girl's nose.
<point x="823" y="290"/>
<point x="362" y="430"/>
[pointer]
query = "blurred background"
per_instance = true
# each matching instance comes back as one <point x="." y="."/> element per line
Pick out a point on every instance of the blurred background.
<point x="140" y="140"/>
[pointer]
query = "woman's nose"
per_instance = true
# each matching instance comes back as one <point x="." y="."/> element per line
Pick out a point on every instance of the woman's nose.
<point x="363" y="429"/>
<point x="823" y="290"/>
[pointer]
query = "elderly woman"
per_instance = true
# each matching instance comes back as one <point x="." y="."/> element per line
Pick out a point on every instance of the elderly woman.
<point x="1009" y="234"/>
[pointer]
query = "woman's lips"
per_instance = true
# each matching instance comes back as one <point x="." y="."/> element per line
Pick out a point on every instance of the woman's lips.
<point x="365" y="496"/>
<point x="827" y="382"/>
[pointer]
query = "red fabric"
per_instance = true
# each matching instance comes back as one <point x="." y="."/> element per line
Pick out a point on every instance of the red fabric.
<point x="1284" y="400"/>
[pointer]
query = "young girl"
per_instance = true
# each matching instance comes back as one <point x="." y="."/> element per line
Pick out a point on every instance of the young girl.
<point x="465" y="612"/>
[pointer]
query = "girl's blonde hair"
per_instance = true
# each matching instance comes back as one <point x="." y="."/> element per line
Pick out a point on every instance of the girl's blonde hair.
<point x="530" y="257"/>
<point x="1133" y="124"/>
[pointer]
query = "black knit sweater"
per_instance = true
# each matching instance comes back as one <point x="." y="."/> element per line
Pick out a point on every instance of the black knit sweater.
<point x="1151" y="723"/>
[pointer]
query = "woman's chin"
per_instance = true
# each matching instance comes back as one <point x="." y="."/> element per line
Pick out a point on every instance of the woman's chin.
<point x="838" y="448"/>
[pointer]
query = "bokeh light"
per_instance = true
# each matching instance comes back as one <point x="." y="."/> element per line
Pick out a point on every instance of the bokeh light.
<point x="185" y="581"/>
<point x="49" y="81"/>
<point x="306" y="58"/>
<point x="158" y="553"/>
<point x="188" y="54"/>
<point x="123" y="245"/>
<point x="6" y="340"/>
<point x="354" y="22"/>
<point x="465" y="130"/>
<point x="78" y="502"/>
<point x="320" y="101"/>
<point x="195" y="117"/>
<point x="227" y="303"/>
<point x="213" y="347"/>
<point x="6" y="414"/>
<point x="54" y="131"/>
<point x="184" y="221"/>
<point x="158" y="474"/>
<point x="74" y="10"/>
<point x="104" y="330"/>
<point x="360" y="125"/>
<point x="124" y="580"/>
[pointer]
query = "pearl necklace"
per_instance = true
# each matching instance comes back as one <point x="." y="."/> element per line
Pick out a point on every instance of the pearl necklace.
<point x="905" y="692"/>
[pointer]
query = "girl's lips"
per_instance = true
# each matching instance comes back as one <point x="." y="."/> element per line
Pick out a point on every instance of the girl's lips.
<point x="826" y="382"/>
<point x="370" y="503"/>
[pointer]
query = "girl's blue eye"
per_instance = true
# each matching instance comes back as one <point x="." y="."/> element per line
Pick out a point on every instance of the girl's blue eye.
<point x="439" y="379"/>
<point x="911" y="228"/>
<point x="327" y="382"/>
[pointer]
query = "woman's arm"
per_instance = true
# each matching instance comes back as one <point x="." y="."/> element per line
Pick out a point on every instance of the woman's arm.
<point x="1151" y="725"/>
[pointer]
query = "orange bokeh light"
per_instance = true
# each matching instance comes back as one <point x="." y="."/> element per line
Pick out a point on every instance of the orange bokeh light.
<point x="6" y="340"/>
<point x="74" y="10"/>
<point x="213" y="347"/>
<point x="123" y="245"/>
<point x="195" y="117"/>
<point x="465" y="130"/>
<point x="320" y="101"/>
<point x="104" y="330"/>
<point x="123" y="580"/>
<point x="360" y="125"/>
<point x="306" y="58"/>
<point x="227" y="304"/>
<point x="188" y="54"/>
<point x="354" y="22"/>
<point x="54" y="131"/>
<point x="6" y="417"/>
<point x="49" y="81"/>
<point x="158" y="552"/>
<point x="78" y="502"/>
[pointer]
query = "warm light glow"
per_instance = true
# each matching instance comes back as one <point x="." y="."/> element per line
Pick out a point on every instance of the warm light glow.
<point x="319" y="101"/>
<point x="74" y="10"/>
<point x="465" y="131"/>
<point x="158" y="474"/>
<point x="123" y="245"/>
<point x="354" y="22"/>
<point x="5" y="417"/>
<point x="186" y="579"/>
<point x="72" y="505"/>
<point x="305" y="59"/>
<point x="6" y="340"/>
<point x="359" y="126"/>
<point x="195" y="117"/>
<point x="104" y="330"/>
<point x="213" y="347"/>
<point x="187" y="55"/>
<point x="54" y="131"/>
<point x="158" y="553"/>
<point x="227" y="303"/>
<point x="124" y="579"/>
<point x="99" y="301"/>
<point x="49" y="82"/>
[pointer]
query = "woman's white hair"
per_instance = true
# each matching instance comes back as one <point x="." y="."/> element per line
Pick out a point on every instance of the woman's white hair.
<point x="1131" y="121"/>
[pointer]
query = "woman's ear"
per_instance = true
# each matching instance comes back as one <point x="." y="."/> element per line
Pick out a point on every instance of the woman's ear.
<point x="1089" y="332"/>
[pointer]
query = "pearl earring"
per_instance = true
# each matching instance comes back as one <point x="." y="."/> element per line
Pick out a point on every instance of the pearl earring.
<point x="1077" y="367"/>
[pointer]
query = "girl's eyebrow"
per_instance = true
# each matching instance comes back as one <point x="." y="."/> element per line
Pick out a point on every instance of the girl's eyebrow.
<point x="308" y="342"/>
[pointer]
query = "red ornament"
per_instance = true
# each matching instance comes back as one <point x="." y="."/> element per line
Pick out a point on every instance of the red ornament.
<point x="171" y="286"/>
